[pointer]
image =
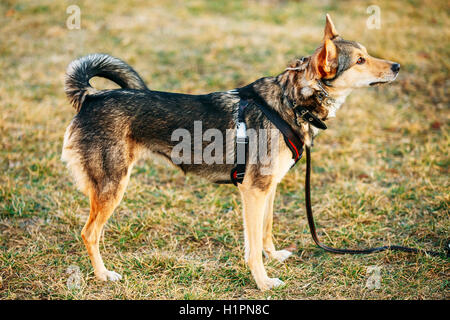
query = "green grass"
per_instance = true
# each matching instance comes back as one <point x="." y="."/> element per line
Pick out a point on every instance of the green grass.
<point x="380" y="171"/>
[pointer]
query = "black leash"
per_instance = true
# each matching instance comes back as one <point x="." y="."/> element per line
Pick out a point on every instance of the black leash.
<point x="312" y="226"/>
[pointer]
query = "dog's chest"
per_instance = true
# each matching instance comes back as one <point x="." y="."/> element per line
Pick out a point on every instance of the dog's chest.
<point x="337" y="103"/>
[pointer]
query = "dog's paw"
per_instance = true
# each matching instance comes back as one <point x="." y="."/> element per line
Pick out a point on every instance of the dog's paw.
<point x="269" y="283"/>
<point x="108" y="276"/>
<point x="282" y="255"/>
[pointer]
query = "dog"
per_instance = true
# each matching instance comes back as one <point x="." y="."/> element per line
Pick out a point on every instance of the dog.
<point x="114" y="128"/>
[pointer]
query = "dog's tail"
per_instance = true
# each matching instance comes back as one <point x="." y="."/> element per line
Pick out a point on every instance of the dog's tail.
<point x="80" y="71"/>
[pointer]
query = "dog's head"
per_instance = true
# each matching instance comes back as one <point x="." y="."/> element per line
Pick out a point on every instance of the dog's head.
<point x="346" y="64"/>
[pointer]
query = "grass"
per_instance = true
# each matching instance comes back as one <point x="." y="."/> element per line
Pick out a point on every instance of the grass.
<point x="381" y="171"/>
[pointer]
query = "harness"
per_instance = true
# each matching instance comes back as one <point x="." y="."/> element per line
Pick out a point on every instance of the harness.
<point x="293" y="141"/>
<point x="295" y="144"/>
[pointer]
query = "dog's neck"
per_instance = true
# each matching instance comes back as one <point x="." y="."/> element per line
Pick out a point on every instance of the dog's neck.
<point x="337" y="100"/>
<point x="293" y="88"/>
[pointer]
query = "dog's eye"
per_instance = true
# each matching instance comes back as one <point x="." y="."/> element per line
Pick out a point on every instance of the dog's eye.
<point x="361" y="60"/>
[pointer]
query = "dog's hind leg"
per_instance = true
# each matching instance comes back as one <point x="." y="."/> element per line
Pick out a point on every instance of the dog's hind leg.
<point x="254" y="201"/>
<point x="103" y="204"/>
<point x="268" y="246"/>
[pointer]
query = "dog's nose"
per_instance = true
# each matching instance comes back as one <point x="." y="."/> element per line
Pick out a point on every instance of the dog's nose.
<point x="395" y="67"/>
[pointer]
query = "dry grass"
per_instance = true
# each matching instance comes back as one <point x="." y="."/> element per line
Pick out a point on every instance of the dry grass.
<point x="381" y="170"/>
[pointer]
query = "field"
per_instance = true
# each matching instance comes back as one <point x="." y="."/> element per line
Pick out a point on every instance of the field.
<point x="381" y="170"/>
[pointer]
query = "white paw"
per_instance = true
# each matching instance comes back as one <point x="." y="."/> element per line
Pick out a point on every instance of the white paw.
<point x="109" y="276"/>
<point x="269" y="283"/>
<point x="280" y="255"/>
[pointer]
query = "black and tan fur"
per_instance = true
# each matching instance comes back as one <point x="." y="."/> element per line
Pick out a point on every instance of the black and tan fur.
<point x="114" y="128"/>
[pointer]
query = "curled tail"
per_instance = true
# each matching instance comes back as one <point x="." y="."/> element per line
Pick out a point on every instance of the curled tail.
<point x="80" y="71"/>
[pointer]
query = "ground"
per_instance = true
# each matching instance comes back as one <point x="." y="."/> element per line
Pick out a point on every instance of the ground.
<point x="380" y="171"/>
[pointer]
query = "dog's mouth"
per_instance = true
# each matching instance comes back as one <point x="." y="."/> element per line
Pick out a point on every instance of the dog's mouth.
<point x="386" y="80"/>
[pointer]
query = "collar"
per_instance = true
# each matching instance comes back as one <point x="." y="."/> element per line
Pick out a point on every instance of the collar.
<point x="321" y="97"/>
<point x="309" y="117"/>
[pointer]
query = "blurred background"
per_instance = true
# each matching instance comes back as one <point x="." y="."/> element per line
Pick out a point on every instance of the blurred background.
<point x="380" y="171"/>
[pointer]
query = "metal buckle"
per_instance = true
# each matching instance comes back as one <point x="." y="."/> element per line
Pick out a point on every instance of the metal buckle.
<point x="241" y="131"/>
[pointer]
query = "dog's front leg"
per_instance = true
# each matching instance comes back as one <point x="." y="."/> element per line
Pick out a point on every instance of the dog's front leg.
<point x="254" y="203"/>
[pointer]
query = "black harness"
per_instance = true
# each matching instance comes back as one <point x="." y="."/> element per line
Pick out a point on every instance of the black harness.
<point x="293" y="140"/>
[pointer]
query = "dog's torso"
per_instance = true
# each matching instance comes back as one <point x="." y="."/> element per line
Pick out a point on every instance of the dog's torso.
<point x="125" y="123"/>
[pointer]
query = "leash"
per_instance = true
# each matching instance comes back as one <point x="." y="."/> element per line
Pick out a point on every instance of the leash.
<point x="312" y="227"/>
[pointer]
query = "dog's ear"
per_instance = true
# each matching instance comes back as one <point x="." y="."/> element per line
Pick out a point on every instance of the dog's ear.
<point x="330" y="31"/>
<point x="325" y="60"/>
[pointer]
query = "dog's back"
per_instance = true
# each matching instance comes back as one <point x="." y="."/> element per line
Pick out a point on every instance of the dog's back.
<point x="113" y="127"/>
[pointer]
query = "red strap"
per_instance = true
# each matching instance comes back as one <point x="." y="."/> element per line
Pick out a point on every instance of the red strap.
<point x="297" y="156"/>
